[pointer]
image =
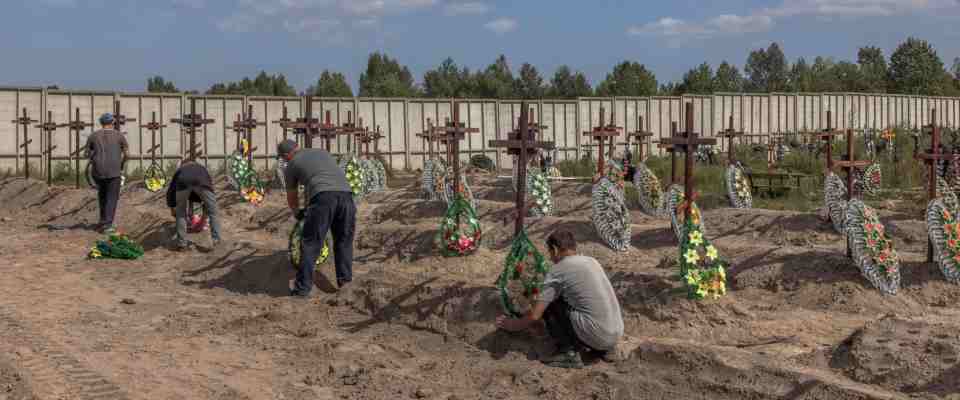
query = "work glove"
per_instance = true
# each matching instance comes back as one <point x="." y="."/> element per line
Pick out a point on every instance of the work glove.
<point x="301" y="214"/>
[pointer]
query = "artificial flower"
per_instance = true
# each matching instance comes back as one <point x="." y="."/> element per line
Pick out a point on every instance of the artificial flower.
<point x="712" y="253"/>
<point x="691" y="256"/>
<point x="696" y="238"/>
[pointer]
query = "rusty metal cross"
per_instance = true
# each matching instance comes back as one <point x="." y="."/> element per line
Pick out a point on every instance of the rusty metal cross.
<point x="427" y="138"/>
<point x="327" y="131"/>
<point x="284" y="119"/>
<point x="600" y="133"/>
<point x="522" y="143"/>
<point x="455" y="131"/>
<point x="730" y="134"/>
<point x="372" y="137"/>
<point x="49" y="127"/>
<point x="642" y="136"/>
<point x="305" y="125"/>
<point x="119" y="120"/>
<point x="688" y="143"/>
<point x="189" y="124"/>
<point x="76" y="126"/>
<point x="153" y="126"/>
<point x="25" y="121"/>
<point x="244" y="128"/>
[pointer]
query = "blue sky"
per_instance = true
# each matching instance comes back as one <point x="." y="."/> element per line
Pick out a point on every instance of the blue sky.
<point x="114" y="44"/>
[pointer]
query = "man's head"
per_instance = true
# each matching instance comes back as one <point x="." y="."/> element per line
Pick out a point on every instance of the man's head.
<point x="286" y="149"/>
<point x="106" y="120"/>
<point x="560" y="244"/>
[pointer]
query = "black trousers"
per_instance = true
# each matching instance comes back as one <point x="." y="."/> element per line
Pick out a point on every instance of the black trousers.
<point x="328" y="212"/>
<point x="108" y="194"/>
<point x="560" y="328"/>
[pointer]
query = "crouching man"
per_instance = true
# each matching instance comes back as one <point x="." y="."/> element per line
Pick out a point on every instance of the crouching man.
<point x="192" y="181"/>
<point x="577" y="304"/>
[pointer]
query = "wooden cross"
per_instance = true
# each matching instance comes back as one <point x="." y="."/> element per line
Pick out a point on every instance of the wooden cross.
<point x="669" y="148"/>
<point x="826" y="136"/>
<point x="244" y="127"/>
<point x="283" y="121"/>
<point x="307" y="126"/>
<point x="372" y="137"/>
<point x="688" y="143"/>
<point x="427" y="138"/>
<point x="456" y="131"/>
<point x="533" y="124"/>
<point x="730" y="134"/>
<point x="76" y="126"/>
<point x="153" y="126"/>
<point x="327" y="131"/>
<point x="601" y="133"/>
<point x="25" y="121"/>
<point x="359" y="137"/>
<point x="641" y="136"/>
<point x="189" y="124"/>
<point x="49" y="127"/>
<point x="522" y="143"/>
<point x="119" y="120"/>
<point x="931" y="157"/>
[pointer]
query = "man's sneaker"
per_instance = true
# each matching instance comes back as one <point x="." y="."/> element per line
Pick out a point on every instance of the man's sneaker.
<point x="297" y="295"/>
<point x="566" y="359"/>
<point x="110" y="230"/>
<point x="181" y="245"/>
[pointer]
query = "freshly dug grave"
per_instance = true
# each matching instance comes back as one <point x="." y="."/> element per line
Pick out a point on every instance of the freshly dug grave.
<point x="799" y="321"/>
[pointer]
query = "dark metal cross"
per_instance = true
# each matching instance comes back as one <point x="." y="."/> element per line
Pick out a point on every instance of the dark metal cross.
<point x="76" y="126"/>
<point x="244" y="128"/>
<point x="455" y="131"/>
<point x="522" y="143"/>
<point x="533" y="124"/>
<point x="372" y="137"/>
<point x="359" y="134"/>
<point x="327" y="131"/>
<point x="49" y="127"/>
<point x="153" y="126"/>
<point x="25" y="121"/>
<point x="641" y="136"/>
<point x="931" y="157"/>
<point x="601" y="133"/>
<point x="307" y="125"/>
<point x="688" y="143"/>
<point x="730" y="134"/>
<point x="119" y="120"/>
<point x="189" y="124"/>
<point x="283" y="121"/>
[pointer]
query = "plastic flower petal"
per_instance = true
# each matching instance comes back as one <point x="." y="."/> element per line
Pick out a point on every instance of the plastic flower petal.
<point x="712" y="253"/>
<point x="691" y="256"/>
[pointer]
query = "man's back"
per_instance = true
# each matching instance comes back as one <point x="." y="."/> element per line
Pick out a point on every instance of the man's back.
<point x="317" y="171"/>
<point x="106" y="148"/>
<point x="595" y="311"/>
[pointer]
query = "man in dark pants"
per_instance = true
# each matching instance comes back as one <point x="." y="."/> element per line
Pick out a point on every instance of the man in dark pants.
<point x="577" y="304"/>
<point x="330" y="208"/>
<point x="107" y="151"/>
<point x="192" y="182"/>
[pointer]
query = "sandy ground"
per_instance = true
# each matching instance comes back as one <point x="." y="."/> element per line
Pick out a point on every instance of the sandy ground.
<point x="798" y="323"/>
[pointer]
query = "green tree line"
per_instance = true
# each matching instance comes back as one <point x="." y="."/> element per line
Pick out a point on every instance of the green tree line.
<point x="913" y="68"/>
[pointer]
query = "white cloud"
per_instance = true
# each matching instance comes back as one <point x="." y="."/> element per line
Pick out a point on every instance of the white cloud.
<point x="467" y="8"/>
<point x="327" y="20"/>
<point x="502" y="26"/>
<point x="764" y="19"/>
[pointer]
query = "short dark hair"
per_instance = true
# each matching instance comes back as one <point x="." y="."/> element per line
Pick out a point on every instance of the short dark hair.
<point x="562" y="239"/>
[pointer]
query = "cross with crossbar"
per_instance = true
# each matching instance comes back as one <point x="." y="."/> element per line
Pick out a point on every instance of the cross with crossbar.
<point x="730" y="134"/>
<point x="826" y="136"/>
<point x="25" y="121"/>
<point x="600" y="133"/>
<point x="642" y="136"/>
<point x="49" y="127"/>
<point x="244" y="128"/>
<point x="522" y="143"/>
<point x="931" y="157"/>
<point x="307" y="126"/>
<point x="673" y="154"/>
<point x="455" y="131"/>
<point x="153" y="126"/>
<point x="76" y="126"/>
<point x="189" y="124"/>
<point x="687" y="143"/>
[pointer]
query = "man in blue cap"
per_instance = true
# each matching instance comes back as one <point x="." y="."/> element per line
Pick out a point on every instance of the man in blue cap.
<point x="329" y="207"/>
<point x="107" y="152"/>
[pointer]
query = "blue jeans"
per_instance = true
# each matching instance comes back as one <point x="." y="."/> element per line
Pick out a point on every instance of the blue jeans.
<point x="328" y="212"/>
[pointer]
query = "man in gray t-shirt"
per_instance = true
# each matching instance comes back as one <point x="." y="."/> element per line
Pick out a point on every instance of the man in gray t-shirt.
<point x="329" y="207"/>
<point x="107" y="151"/>
<point x="577" y="304"/>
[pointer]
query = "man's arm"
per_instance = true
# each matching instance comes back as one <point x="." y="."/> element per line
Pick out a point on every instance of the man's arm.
<point x="89" y="148"/>
<point x="293" y="199"/>
<point x="172" y="190"/>
<point x="518" y="324"/>
<point x="125" y="150"/>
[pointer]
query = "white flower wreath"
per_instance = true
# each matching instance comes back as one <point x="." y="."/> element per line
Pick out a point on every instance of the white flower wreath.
<point x="944" y="232"/>
<point x="834" y="201"/>
<point x="871" y="250"/>
<point x="610" y="214"/>
<point x="738" y="187"/>
<point x="649" y="192"/>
